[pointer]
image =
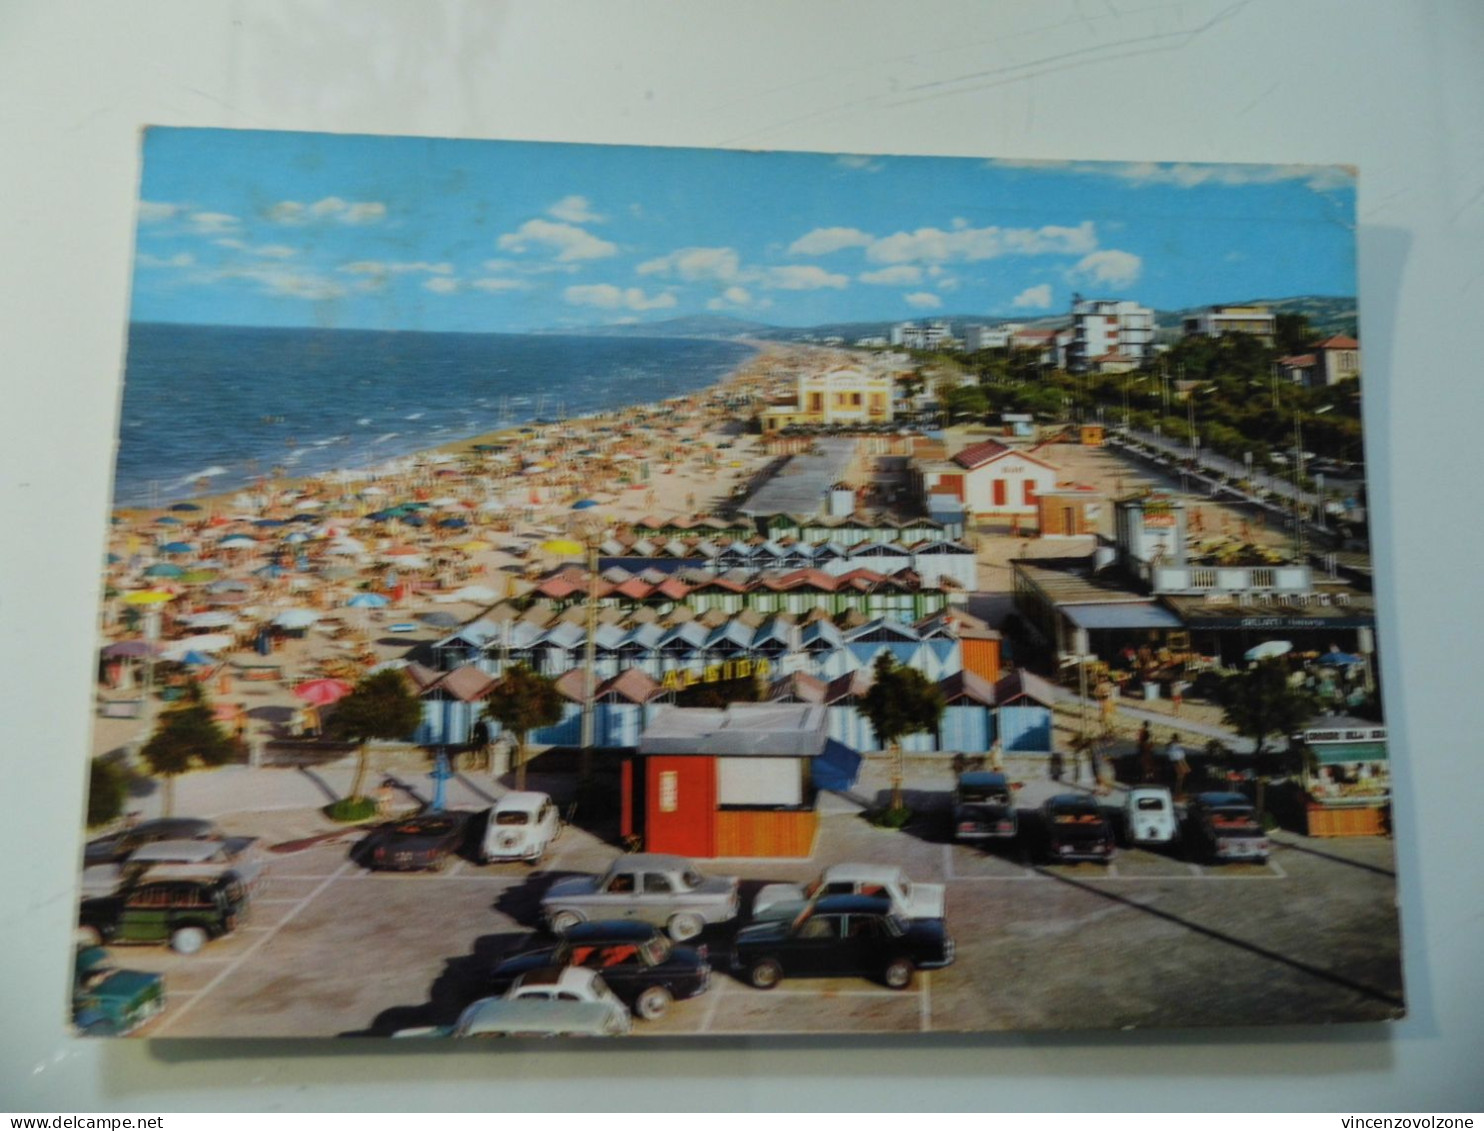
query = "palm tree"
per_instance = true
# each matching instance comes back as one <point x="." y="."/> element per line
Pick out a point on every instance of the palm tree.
<point x="523" y="701"/>
<point x="185" y="737"/>
<point x="382" y="706"/>
<point x="902" y="701"/>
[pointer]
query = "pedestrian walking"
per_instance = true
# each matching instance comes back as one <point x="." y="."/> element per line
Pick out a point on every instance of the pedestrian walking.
<point x="997" y="757"/>
<point x="1179" y="767"/>
<point x="1058" y="767"/>
<point x="1146" y="754"/>
<point x="1177" y="695"/>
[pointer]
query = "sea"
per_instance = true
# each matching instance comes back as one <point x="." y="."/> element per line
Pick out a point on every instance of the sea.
<point x="212" y="408"/>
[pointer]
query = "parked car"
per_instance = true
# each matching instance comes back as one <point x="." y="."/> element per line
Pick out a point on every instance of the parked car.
<point x="1149" y="816"/>
<point x="1225" y="826"/>
<point x="1076" y="829"/>
<point x="179" y="859"/>
<point x="638" y="964"/>
<point x="521" y="827"/>
<point x="495" y="1017"/>
<point x="984" y="807"/>
<point x="186" y="913"/>
<point x="109" y="1002"/>
<point x="667" y="891"/>
<point x="909" y="900"/>
<point x="116" y="847"/>
<point x="841" y="936"/>
<point x="423" y="842"/>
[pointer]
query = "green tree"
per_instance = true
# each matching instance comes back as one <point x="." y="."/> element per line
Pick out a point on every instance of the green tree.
<point x="902" y="701"/>
<point x="382" y="706"/>
<point x="185" y="737"/>
<point x="1259" y="702"/>
<point x="107" y="788"/>
<point x="523" y="701"/>
<point x="1294" y="333"/>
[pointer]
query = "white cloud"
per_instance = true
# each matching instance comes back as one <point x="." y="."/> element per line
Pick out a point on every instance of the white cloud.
<point x="901" y="275"/>
<point x="334" y="208"/>
<point x="1034" y="298"/>
<point x="822" y="241"/>
<point x="264" y="251"/>
<point x="924" y="300"/>
<point x="574" y="210"/>
<point x="801" y="278"/>
<point x="720" y="264"/>
<point x="738" y="298"/>
<point x="934" y="245"/>
<point x="301" y="285"/>
<point x="157" y="212"/>
<point x="181" y="259"/>
<point x="605" y="296"/>
<point x="859" y="161"/>
<point x="209" y="223"/>
<point x="1320" y="178"/>
<point x="569" y="242"/>
<point x="380" y="267"/>
<point x="493" y="285"/>
<point x="1110" y="267"/>
<point x="441" y="285"/>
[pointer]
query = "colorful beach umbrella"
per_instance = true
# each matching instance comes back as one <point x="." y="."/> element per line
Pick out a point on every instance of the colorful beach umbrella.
<point x="296" y="618"/>
<point x="148" y="597"/>
<point x="130" y="648"/>
<point x="177" y="548"/>
<point x="185" y="507"/>
<point x="323" y="692"/>
<point x="584" y="504"/>
<point x="163" y="569"/>
<point x="198" y="576"/>
<point x="368" y="601"/>
<point x="562" y="547"/>
<point x="1269" y="649"/>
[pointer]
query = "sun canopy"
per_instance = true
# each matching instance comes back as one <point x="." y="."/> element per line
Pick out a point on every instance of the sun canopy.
<point x="1132" y="614"/>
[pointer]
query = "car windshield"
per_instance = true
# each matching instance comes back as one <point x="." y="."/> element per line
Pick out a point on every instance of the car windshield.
<point x="972" y="795"/>
<point x="434" y="826"/>
<point x="512" y="817"/>
<point x="655" y="950"/>
<point x="1148" y="804"/>
<point x="894" y="924"/>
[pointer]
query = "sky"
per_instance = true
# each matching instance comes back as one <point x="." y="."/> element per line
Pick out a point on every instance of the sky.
<point x="262" y="228"/>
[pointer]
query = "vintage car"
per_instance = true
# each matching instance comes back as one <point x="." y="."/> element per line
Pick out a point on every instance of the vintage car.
<point x="521" y="827"/>
<point x="667" y="891"/>
<point x="841" y="936"/>
<point x="109" y="1002"/>
<point x="984" y="807"/>
<point x="422" y="842"/>
<point x="530" y="1017"/>
<point x="186" y="913"/>
<point x="1076" y="829"/>
<point x="116" y="847"/>
<point x="637" y="962"/>
<point x="1149" y="816"/>
<point x="1224" y="826"/>
<point x="909" y="900"/>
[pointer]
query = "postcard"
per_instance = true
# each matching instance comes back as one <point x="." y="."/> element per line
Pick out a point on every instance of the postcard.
<point x="561" y="590"/>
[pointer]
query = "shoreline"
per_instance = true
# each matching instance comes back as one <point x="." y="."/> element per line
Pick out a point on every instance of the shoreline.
<point x="764" y="354"/>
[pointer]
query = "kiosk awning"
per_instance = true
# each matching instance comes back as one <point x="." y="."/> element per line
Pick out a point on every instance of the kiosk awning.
<point x="1127" y="614"/>
<point x="1340" y="753"/>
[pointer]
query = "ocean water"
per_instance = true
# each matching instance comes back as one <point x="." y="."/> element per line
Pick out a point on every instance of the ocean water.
<point x="226" y="404"/>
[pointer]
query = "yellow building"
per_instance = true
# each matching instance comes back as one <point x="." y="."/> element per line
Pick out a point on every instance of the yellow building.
<point x="845" y="396"/>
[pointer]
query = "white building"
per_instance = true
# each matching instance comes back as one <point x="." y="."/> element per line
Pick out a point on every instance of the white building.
<point x="1258" y="321"/>
<point x="927" y="336"/>
<point x="1111" y="333"/>
<point x="990" y="337"/>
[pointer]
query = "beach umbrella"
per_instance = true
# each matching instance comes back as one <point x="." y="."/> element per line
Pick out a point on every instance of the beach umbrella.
<point x="267" y="522"/>
<point x="177" y="548"/>
<point x="112" y="559"/>
<point x="209" y="620"/>
<point x="368" y="601"/>
<point x="1340" y="659"/>
<point x="185" y="507"/>
<point x="323" y="692"/>
<point x="197" y="576"/>
<point x="237" y="542"/>
<point x="229" y="585"/>
<point x="474" y="545"/>
<point x="584" y="504"/>
<point x="163" y="569"/>
<point x="1269" y="649"/>
<point x="166" y="520"/>
<point x="196" y="659"/>
<point x="475" y="593"/>
<point x="148" y="597"/>
<point x="440" y="620"/>
<point x="296" y="618"/>
<point x="562" y="547"/>
<point x="130" y="648"/>
<point x="453" y="523"/>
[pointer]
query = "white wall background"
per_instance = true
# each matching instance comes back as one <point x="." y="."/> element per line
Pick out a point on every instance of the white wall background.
<point x="1395" y="88"/>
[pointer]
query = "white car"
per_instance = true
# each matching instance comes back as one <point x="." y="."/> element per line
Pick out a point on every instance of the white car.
<point x="521" y="827"/>
<point x="908" y="900"/>
<point x="497" y="1017"/>
<point x="1149" y="816"/>
<point x="562" y="983"/>
<point x="180" y="860"/>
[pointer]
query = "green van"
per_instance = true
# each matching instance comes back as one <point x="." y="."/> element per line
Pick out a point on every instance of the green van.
<point x="186" y="913"/>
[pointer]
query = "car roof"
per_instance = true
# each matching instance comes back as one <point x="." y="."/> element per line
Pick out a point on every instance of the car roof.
<point x="562" y="976"/>
<point x="1149" y="791"/>
<point x="853" y="905"/>
<point x="535" y="1015"/>
<point x="983" y="779"/>
<point x="869" y="872"/>
<point x="609" y="930"/>
<point x="524" y="801"/>
<point x="1223" y="798"/>
<point x="656" y="860"/>
<point x="1071" y="801"/>
<point x="182" y="851"/>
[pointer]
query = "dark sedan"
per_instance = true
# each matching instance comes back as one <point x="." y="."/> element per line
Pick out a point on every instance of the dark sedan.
<point x="420" y="843"/>
<point x="638" y="962"/>
<point x="116" y="847"/>
<point x="842" y="936"/>
<point x="1076" y="829"/>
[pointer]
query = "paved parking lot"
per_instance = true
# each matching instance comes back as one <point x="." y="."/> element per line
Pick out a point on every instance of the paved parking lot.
<point x="1150" y="940"/>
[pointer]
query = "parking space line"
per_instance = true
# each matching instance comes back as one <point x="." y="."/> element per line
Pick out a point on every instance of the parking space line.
<point x="1112" y="871"/>
<point x="1273" y="864"/>
<point x="948" y="862"/>
<point x="832" y="993"/>
<point x="714" y="993"/>
<point x="171" y="1018"/>
<point x="1195" y="870"/>
<point x="455" y="870"/>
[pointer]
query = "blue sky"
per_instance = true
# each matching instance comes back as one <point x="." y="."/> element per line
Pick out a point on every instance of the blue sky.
<point x="294" y="229"/>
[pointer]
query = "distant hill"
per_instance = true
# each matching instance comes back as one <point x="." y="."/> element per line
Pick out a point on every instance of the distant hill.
<point x="689" y="326"/>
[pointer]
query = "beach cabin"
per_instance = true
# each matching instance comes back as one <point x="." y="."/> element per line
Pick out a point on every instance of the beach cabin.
<point x="739" y="781"/>
<point x="1347" y="776"/>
